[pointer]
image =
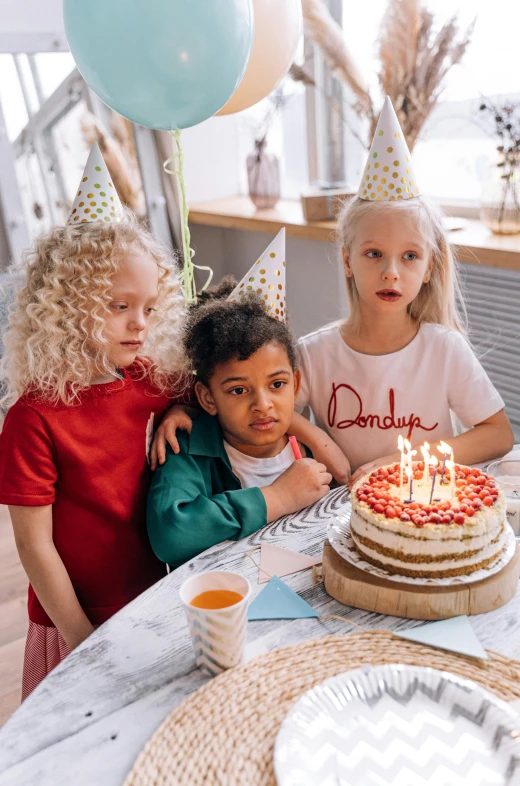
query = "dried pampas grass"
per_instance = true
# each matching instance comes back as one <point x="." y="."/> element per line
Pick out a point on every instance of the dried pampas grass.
<point x="414" y="60"/>
<point x="328" y="35"/>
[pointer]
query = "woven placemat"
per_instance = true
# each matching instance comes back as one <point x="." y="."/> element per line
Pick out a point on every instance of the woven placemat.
<point x="225" y="732"/>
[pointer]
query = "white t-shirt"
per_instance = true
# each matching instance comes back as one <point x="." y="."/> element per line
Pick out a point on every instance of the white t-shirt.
<point x="365" y="401"/>
<point x="256" y="472"/>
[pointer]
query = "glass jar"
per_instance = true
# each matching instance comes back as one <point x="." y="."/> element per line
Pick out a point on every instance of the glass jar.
<point x="507" y="475"/>
<point x="500" y="204"/>
<point x="263" y="176"/>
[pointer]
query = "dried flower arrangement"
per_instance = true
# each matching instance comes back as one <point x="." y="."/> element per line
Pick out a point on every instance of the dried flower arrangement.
<point x="118" y="150"/>
<point x="263" y="168"/>
<point x="276" y="102"/>
<point x="502" y="121"/>
<point x="414" y="60"/>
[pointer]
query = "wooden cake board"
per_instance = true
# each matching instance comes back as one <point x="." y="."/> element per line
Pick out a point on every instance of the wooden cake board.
<point x="355" y="587"/>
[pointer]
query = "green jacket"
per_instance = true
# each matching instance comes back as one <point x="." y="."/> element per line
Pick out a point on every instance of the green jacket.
<point x="195" y="500"/>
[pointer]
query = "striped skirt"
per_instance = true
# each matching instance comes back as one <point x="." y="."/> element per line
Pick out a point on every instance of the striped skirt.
<point x="44" y="649"/>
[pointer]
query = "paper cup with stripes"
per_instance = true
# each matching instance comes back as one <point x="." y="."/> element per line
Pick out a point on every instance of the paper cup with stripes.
<point x="218" y="635"/>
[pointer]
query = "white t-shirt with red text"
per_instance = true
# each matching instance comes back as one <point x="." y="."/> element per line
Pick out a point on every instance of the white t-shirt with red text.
<point x="365" y="401"/>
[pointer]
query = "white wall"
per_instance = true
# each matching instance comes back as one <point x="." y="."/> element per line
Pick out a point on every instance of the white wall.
<point x="31" y="26"/>
<point x="316" y="292"/>
<point x="212" y="159"/>
<point x="31" y="16"/>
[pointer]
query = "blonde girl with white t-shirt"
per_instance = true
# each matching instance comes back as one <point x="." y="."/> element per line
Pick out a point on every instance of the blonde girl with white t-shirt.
<point x="400" y="363"/>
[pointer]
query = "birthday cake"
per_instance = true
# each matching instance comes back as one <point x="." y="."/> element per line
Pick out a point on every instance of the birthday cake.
<point x="425" y="528"/>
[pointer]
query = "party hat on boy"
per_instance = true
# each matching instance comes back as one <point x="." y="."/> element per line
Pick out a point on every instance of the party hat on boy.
<point x="388" y="172"/>
<point x="266" y="279"/>
<point x="97" y="199"/>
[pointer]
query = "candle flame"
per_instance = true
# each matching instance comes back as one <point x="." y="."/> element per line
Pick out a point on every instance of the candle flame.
<point x="400" y="443"/>
<point x="450" y="464"/>
<point x="434" y="461"/>
<point x="444" y="448"/>
<point x="424" y="451"/>
<point x="426" y="446"/>
<point x="408" y="471"/>
<point x="407" y="445"/>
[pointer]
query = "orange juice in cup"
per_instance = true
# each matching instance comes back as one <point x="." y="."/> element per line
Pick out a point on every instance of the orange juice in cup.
<point x="215" y="604"/>
<point x="216" y="599"/>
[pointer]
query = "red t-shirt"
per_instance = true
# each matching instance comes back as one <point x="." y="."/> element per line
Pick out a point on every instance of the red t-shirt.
<point x="89" y="461"/>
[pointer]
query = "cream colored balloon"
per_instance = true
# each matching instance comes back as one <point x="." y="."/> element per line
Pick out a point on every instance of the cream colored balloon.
<point x="278" y="27"/>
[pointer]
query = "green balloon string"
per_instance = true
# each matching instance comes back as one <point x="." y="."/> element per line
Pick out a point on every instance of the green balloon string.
<point x="187" y="275"/>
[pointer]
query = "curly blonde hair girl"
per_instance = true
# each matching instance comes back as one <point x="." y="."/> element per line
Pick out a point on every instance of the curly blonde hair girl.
<point x="440" y="300"/>
<point x="56" y="340"/>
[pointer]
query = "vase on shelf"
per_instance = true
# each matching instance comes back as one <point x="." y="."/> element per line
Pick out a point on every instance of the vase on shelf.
<point x="263" y="177"/>
<point x="500" y="204"/>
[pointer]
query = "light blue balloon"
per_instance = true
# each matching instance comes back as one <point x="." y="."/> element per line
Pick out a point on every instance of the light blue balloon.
<point x="165" y="64"/>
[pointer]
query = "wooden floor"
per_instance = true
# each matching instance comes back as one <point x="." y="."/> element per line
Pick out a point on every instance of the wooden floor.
<point x="13" y="619"/>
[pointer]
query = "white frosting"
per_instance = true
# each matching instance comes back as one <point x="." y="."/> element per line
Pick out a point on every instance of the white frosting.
<point x="425" y="541"/>
<point x="480" y="524"/>
<point x="422" y="490"/>
<point x="434" y="567"/>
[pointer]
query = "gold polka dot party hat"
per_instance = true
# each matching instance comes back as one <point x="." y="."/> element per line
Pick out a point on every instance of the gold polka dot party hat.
<point x="266" y="279"/>
<point x="388" y="172"/>
<point x="96" y="198"/>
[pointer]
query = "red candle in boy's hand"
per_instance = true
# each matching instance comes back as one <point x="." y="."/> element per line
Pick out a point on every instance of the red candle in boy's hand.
<point x="295" y="447"/>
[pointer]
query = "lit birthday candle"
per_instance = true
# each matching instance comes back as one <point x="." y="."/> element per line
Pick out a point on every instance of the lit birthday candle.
<point x="409" y="473"/>
<point x="425" y="450"/>
<point x="408" y="448"/>
<point x="451" y="466"/>
<point x="409" y="455"/>
<point x="445" y="450"/>
<point x="435" y="464"/>
<point x="400" y="448"/>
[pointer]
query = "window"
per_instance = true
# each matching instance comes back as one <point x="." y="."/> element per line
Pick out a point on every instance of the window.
<point x="11" y="96"/>
<point x="453" y="153"/>
<point x="52" y="68"/>
<point x="39" y="94"/>
<point x="50" y="118"/>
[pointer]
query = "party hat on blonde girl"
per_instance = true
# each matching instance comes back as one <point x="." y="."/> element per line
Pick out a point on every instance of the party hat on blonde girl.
<point x="388" y="172"/>
<point x="96" y="198"/>
<point x="266" y="279"/>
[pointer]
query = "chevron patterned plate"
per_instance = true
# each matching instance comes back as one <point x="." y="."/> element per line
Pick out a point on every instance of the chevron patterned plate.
<point x="398" y="725"/>
<point x="338" y="534"/>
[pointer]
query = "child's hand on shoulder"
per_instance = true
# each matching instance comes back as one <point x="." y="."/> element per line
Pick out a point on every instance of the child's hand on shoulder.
<point x="370" y="466"/>
<point x="175" y="418"/>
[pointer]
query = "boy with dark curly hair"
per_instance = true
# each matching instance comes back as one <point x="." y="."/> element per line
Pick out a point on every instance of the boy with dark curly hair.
<point x="235" y="471"/>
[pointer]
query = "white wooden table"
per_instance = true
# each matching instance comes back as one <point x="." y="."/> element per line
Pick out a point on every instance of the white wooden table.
<point x="86" y="723"/>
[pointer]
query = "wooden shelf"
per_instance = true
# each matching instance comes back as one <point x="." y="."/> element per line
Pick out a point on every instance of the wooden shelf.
<point x="474" y="244"/>
<point x="240" y="213"/>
